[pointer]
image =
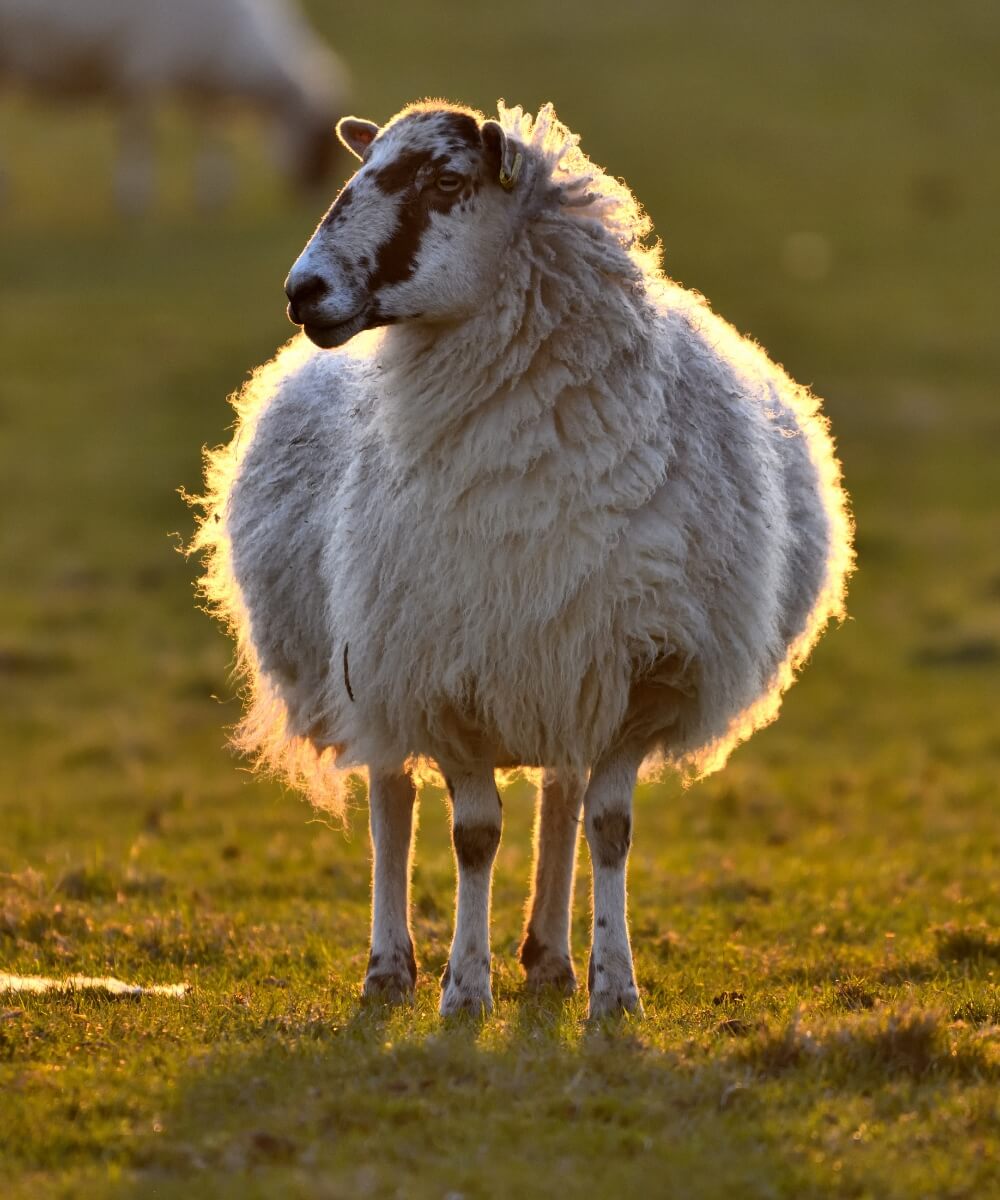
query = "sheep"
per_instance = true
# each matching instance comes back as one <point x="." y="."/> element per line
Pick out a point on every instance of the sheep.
<point x="210" y="54"/>
<point x="515" y="499"/>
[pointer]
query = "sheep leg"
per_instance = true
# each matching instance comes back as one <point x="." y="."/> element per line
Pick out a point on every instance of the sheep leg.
<point x="392" y="968"/>
<point x="134" y="169"/>
<point x="476" y="818"/>
<point x="607" y="811"/>
<point x="545" y="952"/>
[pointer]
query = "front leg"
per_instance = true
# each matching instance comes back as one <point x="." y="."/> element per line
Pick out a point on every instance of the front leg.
<point x="545" y="951"/>
<point x="607" y="810"/>
<point x="476" y="819"/>
<point x="392" y="968"/>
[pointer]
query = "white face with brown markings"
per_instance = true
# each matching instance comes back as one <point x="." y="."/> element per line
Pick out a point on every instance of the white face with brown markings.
<point x="416" y="234"/>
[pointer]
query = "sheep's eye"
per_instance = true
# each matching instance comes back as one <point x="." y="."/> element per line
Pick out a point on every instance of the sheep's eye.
<point x="449" y="181"/>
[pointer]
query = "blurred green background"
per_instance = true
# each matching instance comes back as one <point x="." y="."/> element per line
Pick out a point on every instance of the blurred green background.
<point x="828" y="176"/>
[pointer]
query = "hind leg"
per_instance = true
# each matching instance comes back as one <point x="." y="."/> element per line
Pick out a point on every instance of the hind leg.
<point x="607" y="809"/>
<point x="392" y="968"/>
<point x="545" y="951"/>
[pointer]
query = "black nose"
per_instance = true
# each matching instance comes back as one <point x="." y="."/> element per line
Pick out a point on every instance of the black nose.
<point x="302" y="294"/>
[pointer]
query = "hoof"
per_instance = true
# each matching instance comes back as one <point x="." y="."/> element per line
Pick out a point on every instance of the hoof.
<point x="551" y="972"/>
<point x="614" y="1003"/>
<point x="391" y="977"/>
<point x="557" y="976"/>
<point x="546" y="968"/>
<point x="612" y="993"/>
<point x="466" y="989"/>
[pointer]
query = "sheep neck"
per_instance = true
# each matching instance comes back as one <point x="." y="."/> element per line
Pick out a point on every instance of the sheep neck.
<point x="534" y="394"/>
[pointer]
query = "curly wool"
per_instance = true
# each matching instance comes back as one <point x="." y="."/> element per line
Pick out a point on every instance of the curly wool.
<point x="593" y="502"/>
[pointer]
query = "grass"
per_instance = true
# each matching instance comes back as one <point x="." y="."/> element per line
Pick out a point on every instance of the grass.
<point x="817" y="929"/>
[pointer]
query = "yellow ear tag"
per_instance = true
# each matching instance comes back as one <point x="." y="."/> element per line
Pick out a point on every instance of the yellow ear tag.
<point x="507" y="181"/>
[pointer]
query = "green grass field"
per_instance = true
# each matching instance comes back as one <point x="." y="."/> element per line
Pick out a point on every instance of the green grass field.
<point x="817" y="928"/>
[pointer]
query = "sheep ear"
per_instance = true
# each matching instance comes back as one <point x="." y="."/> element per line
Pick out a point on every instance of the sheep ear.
<point x="357" y="135"/>
<point x="503" y="153"/>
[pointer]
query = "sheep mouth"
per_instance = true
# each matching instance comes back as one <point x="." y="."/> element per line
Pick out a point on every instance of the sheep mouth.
<point x="336" y="333"/>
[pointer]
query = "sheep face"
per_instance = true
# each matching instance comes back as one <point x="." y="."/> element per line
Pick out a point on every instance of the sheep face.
<point x="418" y="233"/>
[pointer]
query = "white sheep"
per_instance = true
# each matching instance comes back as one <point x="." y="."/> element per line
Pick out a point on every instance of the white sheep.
<point x="553" y="513"/>
<point x="209" y="54"/>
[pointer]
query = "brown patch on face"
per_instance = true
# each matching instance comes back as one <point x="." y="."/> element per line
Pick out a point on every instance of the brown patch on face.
<point x="396" y="259"/>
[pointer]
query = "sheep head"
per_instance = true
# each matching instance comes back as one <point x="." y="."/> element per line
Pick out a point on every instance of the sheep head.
<point x="418" y="232"/>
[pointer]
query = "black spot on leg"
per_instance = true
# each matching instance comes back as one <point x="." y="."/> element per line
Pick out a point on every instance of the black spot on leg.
<point x="411" y="963"/>
<point x="590" y="974"/>
<point x="446" y="977"/>
<point x="612" y="838"/>
<point x="602" y="922"/>
<point x="475" y="845"/>
<point x="533" y="949"/>
<point x="373" y="960"/>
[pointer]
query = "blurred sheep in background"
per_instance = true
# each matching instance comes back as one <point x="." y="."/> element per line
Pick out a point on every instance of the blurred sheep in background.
<point x="210" y="55"/>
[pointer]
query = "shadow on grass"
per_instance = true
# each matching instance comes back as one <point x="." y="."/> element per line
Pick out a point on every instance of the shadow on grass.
<point x="390" y="1101"/>
<point x="392" y="1097"/>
